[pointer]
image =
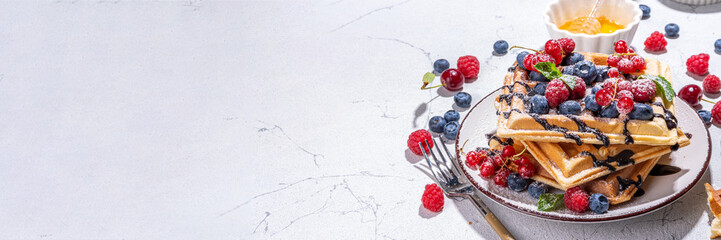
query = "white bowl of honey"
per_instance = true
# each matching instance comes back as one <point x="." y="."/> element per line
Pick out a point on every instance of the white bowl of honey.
<point x="618" y="21"/>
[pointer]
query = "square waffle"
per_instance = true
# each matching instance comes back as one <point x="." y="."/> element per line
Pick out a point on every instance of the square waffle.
<point x="515" y="122"/>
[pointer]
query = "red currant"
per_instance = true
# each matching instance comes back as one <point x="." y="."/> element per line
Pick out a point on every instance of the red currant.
<point x="613" y="72"/>
<point x="452" y="79"/>
<point x="625" y="65"/>
<point x="624" y="105"/>
<point x="604" y="97"/>
<point x="473" y="158"/>
<point x="554" y="49"/>
<point x="508" y="151"/>
<point x="610" y="83"/>
<point x="501" y="177"/>
<point x="691" y="94"/>
<point x="567" y="44"/>
<point x="620" y="47"/>
<point x="523" y="160"/>
<point x="487" y="169"/>
<point x="612" y="60"/>
<point x="638" y="63"/>
<point x="624" y="93"/>
<point x="499" y="161"/>
<point x="527" y="170"/>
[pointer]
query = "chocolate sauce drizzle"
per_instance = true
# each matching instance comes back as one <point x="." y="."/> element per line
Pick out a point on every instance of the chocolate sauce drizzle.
<point x="508" y="97"/>
<point x="663" y="170"/>
<point x="510" y="86"/>
<point x="629" y="139"/>
<point x="624" y="183"/>
<point x="582" y="127"/>
<point x="597" y="163"/>
<point x="621" y="159"/>
<point x="555" y="128"/>
<point x="668" y="116"/>
<point x="506" y="115"/>
<point x="508" y="142"/>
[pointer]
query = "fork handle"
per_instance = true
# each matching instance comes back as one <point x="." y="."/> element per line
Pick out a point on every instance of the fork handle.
<point x="491" y="218"/>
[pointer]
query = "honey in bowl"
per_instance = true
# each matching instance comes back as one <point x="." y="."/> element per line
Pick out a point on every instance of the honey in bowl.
<point x="582" y="25"/>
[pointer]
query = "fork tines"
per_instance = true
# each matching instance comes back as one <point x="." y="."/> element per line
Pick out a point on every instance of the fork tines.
<point x="440" y="169"/>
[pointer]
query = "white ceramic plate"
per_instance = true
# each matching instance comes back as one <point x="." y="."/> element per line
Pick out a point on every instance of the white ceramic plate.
<point x="659" y="190"/>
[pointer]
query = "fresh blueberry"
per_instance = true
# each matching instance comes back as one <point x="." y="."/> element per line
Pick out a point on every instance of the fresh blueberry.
<point x="539" y="104"/>
<point x="671" y="30"/>
<point x="451" y="130"/>
<point x="641" y="112"/>
<point x="598" y="203"/>
<point x="519" y="59"/>
<point x="646" y="11"/>
<point x="586" y="70"/>
<point x="500" y="47"/>
<point x="571" y="59"/>
<point x="534" y="76"/>
<point x="717" y="45"/>
<point x="462" y="99"/>
<point x="539" y="89"/>
<point x="610" y="111"/>
<point x="602" y="73"/>
<point x="568" y="70"/>
<point x="570" y="107"/>
<point x="516" y="182"/>
<point x="536" y="189"/>
<point x="436" y="124"/>
<point x="452" y="115"/>
<point x="596" y="89"/>
<point x="441" y="65"/>
<point x="591" y="103"/>
<point x="705" y="115"/>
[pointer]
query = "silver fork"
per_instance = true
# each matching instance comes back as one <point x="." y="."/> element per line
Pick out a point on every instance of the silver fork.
<point x="455" y="184"/>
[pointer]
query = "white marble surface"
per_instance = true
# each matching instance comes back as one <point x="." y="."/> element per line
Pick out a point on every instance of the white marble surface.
<point x="266" y="119"/>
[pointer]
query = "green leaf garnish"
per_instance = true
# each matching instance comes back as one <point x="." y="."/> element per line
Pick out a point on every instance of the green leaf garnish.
<point x="549" y="202"/>
<point x="663" y="87"/>
<point x="549" y="70"/>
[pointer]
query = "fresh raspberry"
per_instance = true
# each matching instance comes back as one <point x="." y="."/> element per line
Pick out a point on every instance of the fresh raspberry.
<point x="624" y="85"/>
<point x="530" y="61"/>
<point x="620" y="47"/>
<point x="625" y="65"/>
<point x="579" y="90"/>
<point x="556" y="92"/>
<point x="639" y="64"/>
<point x="527" y="170"/>
<point x="487" y="169"/>
<point x="523" y="160"/>
<point x="418" y="136"/>
<point x="655" y="42"/>
<point x="613" y="72"/>
<point x="554" y="49"/>
<point x="469" y="66"/>
<point x="643" y="90"/>
<point x="604" y="96"/>
<point x="567" y="44"/>
<point x="501" y="177"/>
<point x="711" y="84"/>
<point x="613" y="60"/>
<point x="698" y="64"/>
<point x="624" y="105"/>
<point x="433" y="198"/>
<point x="473" y="158"/>
<point x="610" y="83"/>
<point x="624" y="93"/>
<point x="508" y="151"/>
<point x="716" y="113"/>
<point x="576" y="199"/>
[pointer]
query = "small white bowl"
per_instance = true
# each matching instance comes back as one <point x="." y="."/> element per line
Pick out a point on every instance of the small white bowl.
<point x="697" y="2"/>
<point x="624" y="12"/>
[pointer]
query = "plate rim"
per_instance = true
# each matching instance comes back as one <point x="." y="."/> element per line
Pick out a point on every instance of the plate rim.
<point x="570" y="219"/>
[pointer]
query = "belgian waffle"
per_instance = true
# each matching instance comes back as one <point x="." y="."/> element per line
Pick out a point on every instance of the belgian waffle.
<point x="516" y="122"/>
<point x="714" y="202"/>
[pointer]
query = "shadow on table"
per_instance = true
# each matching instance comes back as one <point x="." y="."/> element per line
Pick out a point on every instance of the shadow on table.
<point x="691" y="8"/>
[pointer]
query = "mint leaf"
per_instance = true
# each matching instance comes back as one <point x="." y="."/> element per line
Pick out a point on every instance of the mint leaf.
<point x="663" y="87"/>
<point x="569" y="80"/>
<point x="549" y="70"/>
<point x="549" y="201"/>
<point x="428" y="77"/>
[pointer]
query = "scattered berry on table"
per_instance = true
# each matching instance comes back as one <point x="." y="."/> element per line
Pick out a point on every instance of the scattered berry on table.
<point x="516" y="182"/>
<point x="591" y="104"/>
<point x="462" y="99"/>
<point x="532" y="59"/>
<point x="711" y="84"/>
<point x="501" y="178"/>
<point x="527" y="170"/>
<point x="655" y="42"/>
<point x="671" y="30"/>
<point x="419" y="136"/>
<point x="539" y="104"/>
<point x="539" y="89"/>
<point x="567" y="44"/>
<point x="487" y="169"/>
<point x="716" y="113"/>
<point x="613" y="72"/>
<point x="473" y="158"/>
<point x="643" y="90"/>
<point x="451" y="130"/>
<point x="433" y="198"/>
<point x="469" y="66"/>
<point x="554" y="49"/>
<point x="705" y="116"/>
<point x="638" y="63"/>
<point x="598" y="203"/>
<point x="645" y="10"/>
<point x="576" y="199"/>
<point x="436" y="124"/>
<point x="621" y="47"/>
<point x="717" y="45"/>
<point x="624" y="93"/>
<point x="508" y="151"/>
<point x="452" y="79"/>
<point x="522" y="160"/>
<point x="452" y="115"/>
<point x="441" y="65"/>
<point x="570" y="107"/>
<point x="585" y="69"/>
<point x="604" y="96"/>
<point x="534" y="76"/>
<point x="535" y="189"/>
<point x="698" y="64"/>
<point x="691" y="94"/>
<point x="500" y="47"/>
<point x="624" y="105"/>
<point x="519" y="59"/>
<point x="579" y="90"/>
<point x="610" y="111"/>
<point x="641" y="111"/>
<point x="556" y="92"/>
